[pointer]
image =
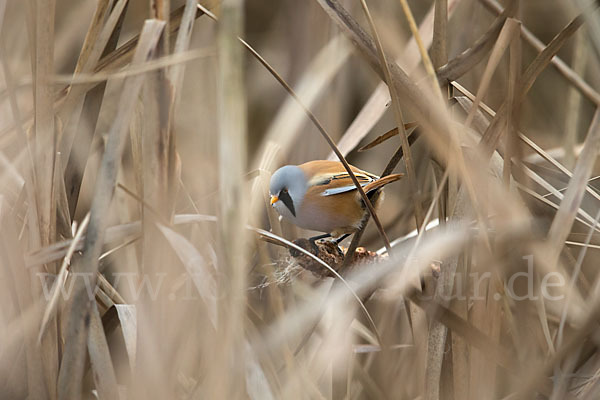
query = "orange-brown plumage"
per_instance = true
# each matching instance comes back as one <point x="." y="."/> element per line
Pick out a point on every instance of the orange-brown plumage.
<point x="323" y="196"/>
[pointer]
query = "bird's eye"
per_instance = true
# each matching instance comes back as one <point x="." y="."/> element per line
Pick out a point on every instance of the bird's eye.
<point x="284" y="191"/>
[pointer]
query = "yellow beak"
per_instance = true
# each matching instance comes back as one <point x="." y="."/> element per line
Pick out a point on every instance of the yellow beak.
<point x="274" y="199"/>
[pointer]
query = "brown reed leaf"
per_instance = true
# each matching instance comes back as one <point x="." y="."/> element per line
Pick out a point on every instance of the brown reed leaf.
<point x="409" y="127"/>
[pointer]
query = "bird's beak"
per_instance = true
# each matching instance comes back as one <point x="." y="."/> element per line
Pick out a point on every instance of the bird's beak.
<point x="274" y="199"/>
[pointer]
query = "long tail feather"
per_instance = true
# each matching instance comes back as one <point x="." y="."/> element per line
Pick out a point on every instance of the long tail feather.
<point x="379" y="183"/>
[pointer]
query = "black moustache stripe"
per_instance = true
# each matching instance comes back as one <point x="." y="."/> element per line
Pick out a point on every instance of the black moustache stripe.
<point x="287" y="200"/>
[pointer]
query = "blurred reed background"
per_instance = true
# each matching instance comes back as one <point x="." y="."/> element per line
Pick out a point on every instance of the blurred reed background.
<point x="139" y="257"/>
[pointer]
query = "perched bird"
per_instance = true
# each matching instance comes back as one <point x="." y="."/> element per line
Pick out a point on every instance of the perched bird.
<point x="320" y="195"/>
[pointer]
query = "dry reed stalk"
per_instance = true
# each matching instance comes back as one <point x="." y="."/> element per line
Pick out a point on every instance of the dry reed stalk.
<point x="231" y="282"/>
<point x="44" y="159"/>
<point x="71" y="371"/>
<point x="155" y="156"/>
<point x="438" y="333"/>
<point x="574" y="100"/>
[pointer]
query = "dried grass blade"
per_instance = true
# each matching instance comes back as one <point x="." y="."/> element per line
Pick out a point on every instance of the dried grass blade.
<point x="45" y="146"/>
<point x="197" y="269"/>
<point x="104" y="374"/>
<point x="124" y="315"/>
<point x="422" y="50"/>
<point x="45" y="135"/>
<point x="551" y="189"/>
<point x="465" y="61"/>
<point x="62" y="277"/>
<point x="574" y="97"/>
<point x="91" y="36"/>
<point x="543" y="59"/>
<point x="86" y="129"/>
<point x="509" y="32"/>
<point x="181" y="45"/>
<point x="512" y="118"/>
<point x="439" y="45"/>
<point x="73" y="104"/>
<point x="561" y="225"/>
<point x="128" y="319"/>
<point x="123" y="55"/>
<point x="409" y="127"/>
<point x="549" y="203"/>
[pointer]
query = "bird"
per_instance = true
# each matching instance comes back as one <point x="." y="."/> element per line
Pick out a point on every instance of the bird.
<point x="320" y="196"/>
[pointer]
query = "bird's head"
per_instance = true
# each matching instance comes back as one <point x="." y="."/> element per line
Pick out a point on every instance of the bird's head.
<point x="287" y="188"/>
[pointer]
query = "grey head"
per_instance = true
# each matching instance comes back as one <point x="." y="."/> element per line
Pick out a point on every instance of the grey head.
<point x="289" y="184"/>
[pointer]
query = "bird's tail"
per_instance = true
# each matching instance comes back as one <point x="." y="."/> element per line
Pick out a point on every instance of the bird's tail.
<point x="381" y="182"/>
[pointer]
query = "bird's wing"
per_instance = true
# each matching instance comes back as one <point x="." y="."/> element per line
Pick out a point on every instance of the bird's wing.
<point x="368" y="183"/>
<point x="341" y="182"/>
<point x="329" y="178"/>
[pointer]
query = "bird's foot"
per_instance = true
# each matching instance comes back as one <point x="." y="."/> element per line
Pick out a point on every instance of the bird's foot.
<point x="339" y="240"/>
